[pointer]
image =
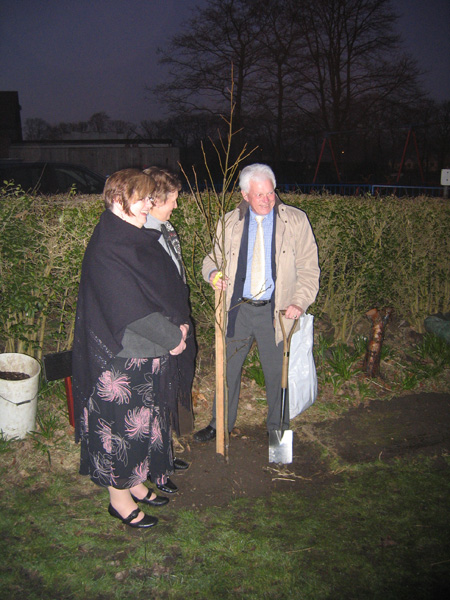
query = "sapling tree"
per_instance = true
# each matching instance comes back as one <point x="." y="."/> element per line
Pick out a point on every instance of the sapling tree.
<point x="212" y="205"/>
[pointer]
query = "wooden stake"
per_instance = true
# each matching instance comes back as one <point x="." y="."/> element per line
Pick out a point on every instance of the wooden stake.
<point x="220" y="381"/>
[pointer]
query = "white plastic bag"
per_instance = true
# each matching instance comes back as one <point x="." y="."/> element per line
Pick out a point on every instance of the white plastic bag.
<point x="302" y="376"/>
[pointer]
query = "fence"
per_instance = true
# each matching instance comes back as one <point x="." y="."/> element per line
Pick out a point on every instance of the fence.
<point x="354" y="189"/>
<point x="360" y="189"/>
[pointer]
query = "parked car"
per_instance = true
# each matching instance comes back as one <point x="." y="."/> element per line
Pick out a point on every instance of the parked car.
<point x="51" y="177"/>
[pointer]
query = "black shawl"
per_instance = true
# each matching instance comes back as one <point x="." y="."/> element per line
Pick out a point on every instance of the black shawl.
<point x="126" y="275"/>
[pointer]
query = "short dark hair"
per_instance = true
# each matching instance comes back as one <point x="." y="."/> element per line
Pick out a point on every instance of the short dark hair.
<point x="127" y="187"/>
<point x="164" y="181"/>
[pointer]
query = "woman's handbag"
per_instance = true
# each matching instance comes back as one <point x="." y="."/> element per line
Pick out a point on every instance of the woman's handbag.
<point x="302" y="377"/>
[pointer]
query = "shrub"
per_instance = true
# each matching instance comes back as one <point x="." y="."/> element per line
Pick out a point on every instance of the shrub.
<point x="42" y="242"/>
<point x="372" y="252"/>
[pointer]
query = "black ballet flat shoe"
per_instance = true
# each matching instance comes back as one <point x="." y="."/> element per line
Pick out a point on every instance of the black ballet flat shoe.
<point x="205" y="435"/>
<point x="180" y="465"/>
<point x="145" y="523"/>
<point x="169" y="487"/>
<point x="158" y="501"/>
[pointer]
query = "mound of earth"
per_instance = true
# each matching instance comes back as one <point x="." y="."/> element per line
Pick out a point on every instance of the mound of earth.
<point x="384" y="430"/>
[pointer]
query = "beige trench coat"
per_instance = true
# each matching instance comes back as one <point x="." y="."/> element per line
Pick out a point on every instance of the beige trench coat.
<point x="296" y="258"/>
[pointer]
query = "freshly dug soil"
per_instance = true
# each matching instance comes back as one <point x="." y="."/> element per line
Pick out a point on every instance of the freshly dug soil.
<point x="384" y="430"/>
<point x="13" y="375"/>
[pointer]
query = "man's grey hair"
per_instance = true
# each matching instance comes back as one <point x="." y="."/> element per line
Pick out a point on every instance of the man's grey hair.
<point x="256" y="172"/>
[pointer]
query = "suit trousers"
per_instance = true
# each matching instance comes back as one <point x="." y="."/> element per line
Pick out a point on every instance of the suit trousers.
<point x="254" y="323"/>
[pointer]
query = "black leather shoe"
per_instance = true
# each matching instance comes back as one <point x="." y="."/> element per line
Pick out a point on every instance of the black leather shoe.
<point x="180" y="465"/>
<point x="169" y="487"/>
<point x="145" y="523"/>
<point x="204" y="435"/>
<point x="158" y="501"/>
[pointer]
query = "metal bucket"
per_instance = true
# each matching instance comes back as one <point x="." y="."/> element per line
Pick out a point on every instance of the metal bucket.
<point x="18" y="398"/>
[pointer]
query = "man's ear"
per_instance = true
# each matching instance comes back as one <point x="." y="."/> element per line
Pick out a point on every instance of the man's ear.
<point x="244" y="195"/>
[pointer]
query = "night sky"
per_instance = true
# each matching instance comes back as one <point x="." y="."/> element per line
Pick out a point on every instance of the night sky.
<point x="69" y="59"/>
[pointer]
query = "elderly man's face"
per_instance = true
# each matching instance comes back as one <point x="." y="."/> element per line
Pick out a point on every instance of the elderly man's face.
<point x="261" y="196"/>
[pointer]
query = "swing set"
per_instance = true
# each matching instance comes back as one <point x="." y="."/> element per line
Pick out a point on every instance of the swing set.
<point x="327" y="141"/>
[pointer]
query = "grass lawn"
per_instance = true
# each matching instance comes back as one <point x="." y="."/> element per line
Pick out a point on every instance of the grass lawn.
<point x="376" y="530"/>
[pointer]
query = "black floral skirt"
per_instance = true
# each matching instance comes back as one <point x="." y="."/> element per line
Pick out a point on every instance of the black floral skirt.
<point x="126" y="433"/>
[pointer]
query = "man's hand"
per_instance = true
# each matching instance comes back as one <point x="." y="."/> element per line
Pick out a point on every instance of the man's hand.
<point x="293" y="311"/>
<point x="218" y="283"/>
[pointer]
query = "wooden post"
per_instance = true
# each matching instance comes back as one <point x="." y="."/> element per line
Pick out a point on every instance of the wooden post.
<point x="220" y="381"/>
<point x="379" y="319"/>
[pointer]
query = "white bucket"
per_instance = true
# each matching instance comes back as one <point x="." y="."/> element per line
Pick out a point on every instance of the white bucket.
<point x="18" y="399"/>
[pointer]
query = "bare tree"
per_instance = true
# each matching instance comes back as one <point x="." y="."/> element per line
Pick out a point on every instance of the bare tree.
<point x="276" y="90"/>
<point x="300" y="68"/>
<point x="353" y="60"/>
<point x="99" y="122"/>
<point x="36" y="129"/>
<point x="188" y="131"/>
<point x="222" y="37"/>
<point x="184" y="130"/>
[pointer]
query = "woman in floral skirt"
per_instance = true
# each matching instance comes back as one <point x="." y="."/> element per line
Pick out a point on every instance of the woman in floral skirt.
<point x="132" y="318"/>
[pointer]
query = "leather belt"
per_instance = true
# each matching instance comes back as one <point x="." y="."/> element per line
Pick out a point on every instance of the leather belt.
<point x="255" y="302"/>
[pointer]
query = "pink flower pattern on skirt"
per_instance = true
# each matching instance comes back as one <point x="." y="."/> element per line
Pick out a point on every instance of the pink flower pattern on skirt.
<point x="126" y="433"/>
<point x="135" y="363"/>
<point x="156" y="439"/>
<point x="113" y="443"/>
<point x="137" y="423"/>
<point x="139" y="473"/>
<point x="85" y="421"/>
<point x="114" y="387"/>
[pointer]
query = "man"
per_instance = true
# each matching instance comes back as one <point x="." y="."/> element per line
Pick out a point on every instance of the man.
<point x="270" y="263"/>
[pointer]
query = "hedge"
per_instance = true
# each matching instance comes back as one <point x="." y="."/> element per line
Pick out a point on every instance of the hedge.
<point x="373" y="253"/>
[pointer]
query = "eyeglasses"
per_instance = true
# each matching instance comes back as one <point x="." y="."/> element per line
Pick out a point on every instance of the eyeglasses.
<point x="269" y="196"/>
